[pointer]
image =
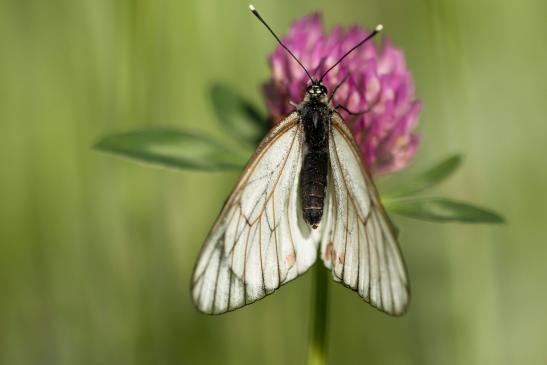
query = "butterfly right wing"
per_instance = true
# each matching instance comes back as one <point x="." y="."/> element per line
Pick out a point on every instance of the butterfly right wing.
<point x="360" y="245"/>
<point x="259" y="240"/>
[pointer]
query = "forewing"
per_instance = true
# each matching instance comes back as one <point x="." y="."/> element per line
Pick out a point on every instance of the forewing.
<point x="360" y="246"/>
<point x="259" y="241"/>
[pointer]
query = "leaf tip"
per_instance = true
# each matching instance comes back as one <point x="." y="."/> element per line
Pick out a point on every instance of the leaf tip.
<point x="99" y="145"/>
<point x="497" y="218"/>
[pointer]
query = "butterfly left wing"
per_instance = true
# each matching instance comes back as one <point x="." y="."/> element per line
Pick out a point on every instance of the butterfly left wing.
<point x="360" y="246"/>
<point x="259" y="241"/>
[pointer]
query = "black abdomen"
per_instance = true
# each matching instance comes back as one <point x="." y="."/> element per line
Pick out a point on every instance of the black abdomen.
<point x="315" y="117"/>
<point x="313" y="184"/>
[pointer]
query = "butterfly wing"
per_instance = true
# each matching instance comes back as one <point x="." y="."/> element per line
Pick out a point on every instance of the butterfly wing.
<point x="360" y="246"/>
<point x="259" y="240"/>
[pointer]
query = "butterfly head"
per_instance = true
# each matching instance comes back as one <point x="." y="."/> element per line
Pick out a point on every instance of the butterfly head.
<point x="316" y="91"/>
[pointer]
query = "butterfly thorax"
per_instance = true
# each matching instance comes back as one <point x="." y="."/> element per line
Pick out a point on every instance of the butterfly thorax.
<point x="315" y="115"/>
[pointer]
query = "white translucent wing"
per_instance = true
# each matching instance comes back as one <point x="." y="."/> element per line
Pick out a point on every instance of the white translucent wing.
<point x="359" y="245"/>
<point x="259" y="240"/>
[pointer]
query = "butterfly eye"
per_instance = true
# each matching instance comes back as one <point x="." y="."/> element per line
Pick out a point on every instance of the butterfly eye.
<point x="323" y="90"/>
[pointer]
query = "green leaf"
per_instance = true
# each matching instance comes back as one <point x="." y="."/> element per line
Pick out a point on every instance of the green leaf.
<point x="442" y="210"/>
<point x="172" y="148"/>
<point x="426" y="180"/>
<point x="238" y="116"/>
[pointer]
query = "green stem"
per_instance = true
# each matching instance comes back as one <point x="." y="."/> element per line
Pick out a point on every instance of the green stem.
<point x="318" y="337"/>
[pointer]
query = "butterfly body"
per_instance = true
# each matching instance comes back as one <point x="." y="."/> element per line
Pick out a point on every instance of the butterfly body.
<point x="315" y="114"/>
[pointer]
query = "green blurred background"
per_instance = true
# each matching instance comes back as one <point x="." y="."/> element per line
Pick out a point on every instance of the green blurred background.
<point x="96" y="252"/>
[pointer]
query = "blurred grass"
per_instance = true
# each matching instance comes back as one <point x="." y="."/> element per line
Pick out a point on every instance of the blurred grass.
<point x="96" y="252"/>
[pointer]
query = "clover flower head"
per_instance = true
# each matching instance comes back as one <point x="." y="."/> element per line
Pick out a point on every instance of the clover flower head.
<point x="373" y="79"/>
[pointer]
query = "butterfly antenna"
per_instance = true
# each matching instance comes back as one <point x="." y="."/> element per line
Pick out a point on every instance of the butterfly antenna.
<point x="255" y="12"/>
<point x="376" y="30"/>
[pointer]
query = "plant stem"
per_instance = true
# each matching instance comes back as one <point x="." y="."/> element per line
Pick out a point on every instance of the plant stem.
<point x="317" y="354"/>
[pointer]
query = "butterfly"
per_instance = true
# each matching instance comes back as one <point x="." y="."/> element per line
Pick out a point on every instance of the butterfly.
<point x="305" y="189"/>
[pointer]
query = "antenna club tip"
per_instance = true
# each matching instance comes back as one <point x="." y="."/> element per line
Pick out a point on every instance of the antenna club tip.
<point x="379" y="28"/>
<point x="252" y="8"/>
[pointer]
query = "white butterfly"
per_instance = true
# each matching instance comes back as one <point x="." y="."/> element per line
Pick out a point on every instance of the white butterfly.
<point x="262" y="239"/>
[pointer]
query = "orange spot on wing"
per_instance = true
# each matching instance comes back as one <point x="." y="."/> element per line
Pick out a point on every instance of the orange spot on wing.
<point x="290" y="259"/>
<point x="328" y="251"/>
